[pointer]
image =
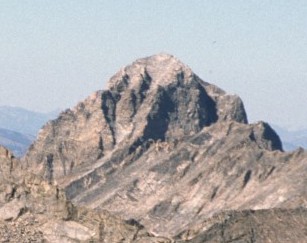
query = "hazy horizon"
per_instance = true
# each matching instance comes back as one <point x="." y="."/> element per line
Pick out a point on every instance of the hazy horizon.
<point x="56" y="53"/>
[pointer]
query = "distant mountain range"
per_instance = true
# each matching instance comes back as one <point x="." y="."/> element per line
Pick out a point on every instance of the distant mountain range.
<point x="19" y="127"/>
<point x="292" y="139"/>
<point x="22" y="120"/>
<point x="15" y="141"/>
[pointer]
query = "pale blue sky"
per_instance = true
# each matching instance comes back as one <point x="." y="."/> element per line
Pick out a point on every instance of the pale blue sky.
<point x="55" y="53"/>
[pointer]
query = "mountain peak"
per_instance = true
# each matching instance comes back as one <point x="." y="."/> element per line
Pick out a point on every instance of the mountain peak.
<point x="163" y="150"/>
<point x="161" y="140"/>
<point x="154" y="98"/>
<point x="163" y="69"/>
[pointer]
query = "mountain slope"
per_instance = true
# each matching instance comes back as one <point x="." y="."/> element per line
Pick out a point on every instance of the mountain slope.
<point x="167" y="149"/>
<point x="32" y="210"/>
<point x="156" y="98"/>
<point x="275" y="225"/>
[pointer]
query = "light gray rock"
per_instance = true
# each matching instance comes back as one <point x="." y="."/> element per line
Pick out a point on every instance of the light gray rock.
<point x="12" y="210"/>
<point x="168" y="150"/>
<point x="66" y="231"/>
<point x="33" y="210"/>
<point x="154" y="98"/>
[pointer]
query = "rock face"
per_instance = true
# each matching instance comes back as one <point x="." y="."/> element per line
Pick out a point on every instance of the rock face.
<point x="32" y="210"/>
<point x="168" y="150"/>
<point x="275" y="225"/>
<point x="156" y="98"/>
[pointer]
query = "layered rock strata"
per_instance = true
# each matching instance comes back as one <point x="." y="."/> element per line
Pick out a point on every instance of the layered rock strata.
<point x="168" y="150"/>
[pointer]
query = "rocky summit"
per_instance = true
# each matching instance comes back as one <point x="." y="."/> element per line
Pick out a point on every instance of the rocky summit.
<point x="160" y="156"/>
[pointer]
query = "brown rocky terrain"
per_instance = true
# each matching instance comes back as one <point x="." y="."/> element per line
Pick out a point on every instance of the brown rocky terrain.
<point x="163" y="149"/>
<point x="32" y="210"/>
<point x="274" y="225"/>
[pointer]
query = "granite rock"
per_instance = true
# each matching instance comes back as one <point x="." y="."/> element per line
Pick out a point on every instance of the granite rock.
<point x="168" y="150"/>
